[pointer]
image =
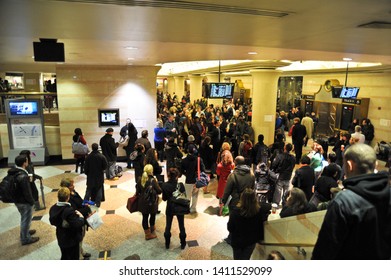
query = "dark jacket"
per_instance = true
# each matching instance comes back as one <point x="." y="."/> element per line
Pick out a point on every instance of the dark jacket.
<point x="68" y="224"/>
<point x="138" y="164"/>
<point x="109" y="147"/>
<point x="283" y="164"/>
<point x="247" y="230"/>
<point x="145" y="142"/>
<point x="323" y="186"/>
<point x="298" y="134"/>
<point x="34" y="189"/>
<point x="23" y="192"/>
<point x="237" y="181"/>
<point x="172" y="152"/>
<point x="288" y="211"/>
<point x="94" y="168"/>
<point x="304" y="179"/>
<point x="206" y="153"/>
<point x="189" y="168"/>
<point x="77" y="204"/>
<point x="168" y="188"/>
<point x="143" y="205"/>
<point x="357" y="224"/>
<point x="131" y="131"/>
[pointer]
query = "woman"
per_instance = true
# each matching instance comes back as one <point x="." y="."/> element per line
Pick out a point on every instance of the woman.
<point x="316" y="156"/>
<point x="296" y="204"/>
<point x="173" y="154"/>
<point x="224" y="168"/>
<point x="159" y="132"/>
<point x="138" y="161"/>
<point x="245" y="224"/>
<point x="168" y="188"/>
<point x="80" y="158"/>
<point x="151" y="157"/>
<point x="147" y="188"/>
<point x="30" y="170"/>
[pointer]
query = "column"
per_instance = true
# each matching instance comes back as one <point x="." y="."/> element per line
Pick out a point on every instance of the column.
<point x="179" y="86"/>
<point x="195" y="87"/>
<point x="171" y="86"/>
<point x="265" y="84"/>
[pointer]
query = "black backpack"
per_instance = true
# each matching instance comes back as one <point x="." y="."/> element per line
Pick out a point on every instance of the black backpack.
<point x="8" y="188"/>
<point x="150" y="194"/>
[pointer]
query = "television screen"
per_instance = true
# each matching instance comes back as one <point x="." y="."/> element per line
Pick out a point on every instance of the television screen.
<point x="24" y="108"/>
<point x="49" y="51"/>
<point x="349" y="92"/>
<point x="108" y="117"/>
<point x="220" y="90"/>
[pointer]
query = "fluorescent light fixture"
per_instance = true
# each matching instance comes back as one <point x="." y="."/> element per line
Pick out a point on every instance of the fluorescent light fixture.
<point x="130" y="48"/>
<point x="252" y="53"/>
<point x="347" y="59"/>
<point x="130" y="58"/>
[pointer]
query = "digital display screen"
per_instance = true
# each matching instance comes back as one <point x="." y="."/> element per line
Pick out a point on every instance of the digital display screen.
<point x="349" y="92"/>
<point x="108" y="117"/>
<point x="24" y="108"/>
<point x="220" y="90"/>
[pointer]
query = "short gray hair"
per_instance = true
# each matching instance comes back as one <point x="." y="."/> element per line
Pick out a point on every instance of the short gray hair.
<point x="363" y="156"/>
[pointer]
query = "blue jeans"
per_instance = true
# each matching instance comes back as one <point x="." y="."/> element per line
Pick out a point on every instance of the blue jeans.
<point x="282" y="187"/>
<point x="26" y="214"/>
<point x="110" y="171"/>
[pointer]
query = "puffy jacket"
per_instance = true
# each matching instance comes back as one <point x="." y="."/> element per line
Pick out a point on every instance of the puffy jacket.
<point x="357" y="224"/>
<point x="23" y="188"/>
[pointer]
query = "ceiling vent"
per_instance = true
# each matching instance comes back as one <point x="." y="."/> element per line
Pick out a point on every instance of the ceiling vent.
<point x="376" y="25"/>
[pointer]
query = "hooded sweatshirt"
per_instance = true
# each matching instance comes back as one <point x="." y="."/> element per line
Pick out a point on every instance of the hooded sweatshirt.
<point x="357" y="224"/>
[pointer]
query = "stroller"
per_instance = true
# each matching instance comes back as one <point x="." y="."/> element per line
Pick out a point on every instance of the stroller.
<point x="264" y="185"/>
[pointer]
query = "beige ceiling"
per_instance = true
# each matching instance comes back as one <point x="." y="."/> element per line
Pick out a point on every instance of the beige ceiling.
<point x="172" y="31"/>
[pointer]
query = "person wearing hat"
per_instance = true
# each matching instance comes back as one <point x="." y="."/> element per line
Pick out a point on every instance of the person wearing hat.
<point x="109" y="150"/>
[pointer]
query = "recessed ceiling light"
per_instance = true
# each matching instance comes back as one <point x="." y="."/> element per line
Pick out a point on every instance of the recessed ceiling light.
<point x="131" y="48"/>
<point x="347" y="59"/>
<point x="130" y="58"/>
<point x="252" y="53"/>
<point x="33" y="57"/>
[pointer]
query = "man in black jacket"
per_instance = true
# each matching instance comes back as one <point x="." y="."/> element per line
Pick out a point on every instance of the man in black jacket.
<point x="24" y="200"/>
<point x="94" y="167"/>
<point x="298" y="134"/>
<point x="357" y="224"/>
<point x="283" y="165"/>
<point x="109" y="150"/>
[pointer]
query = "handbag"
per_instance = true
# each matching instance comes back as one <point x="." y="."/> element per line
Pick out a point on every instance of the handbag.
<point x="123" y="141"/>
<point x="133" y="155"/>
<point x="78" y="148"/>
<point x="180" y="204"/>
<point x="132" y="204"/>
<point x="203" y="178"/>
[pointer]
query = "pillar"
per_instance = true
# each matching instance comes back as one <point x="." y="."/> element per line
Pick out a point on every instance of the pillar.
<point x="265" y="84"/>
<point x="179" y="86"/>
<point x="171" y="86"/>
<point x="195" y="87"/>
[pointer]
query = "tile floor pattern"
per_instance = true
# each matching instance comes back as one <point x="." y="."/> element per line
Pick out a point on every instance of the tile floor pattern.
<point x="121" y="235"/>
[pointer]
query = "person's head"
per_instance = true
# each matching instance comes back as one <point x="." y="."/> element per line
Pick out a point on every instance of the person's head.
<point x="191" y="149"/>
<point x="248" y="204"/>
<point x="296" y="120"/>
<point x="279" y="137"/>
<point x="148" y="171"/>
<point x="190" y="138"/>
<point x="128" y="121"/>
<point x="288" y="147"/>
<point x="246" y="137"/>
<point x="95" y="146"/>
<point x="332" y="157"/>
<point x="261" y="138"/>
<point x="359" y="159"/>
<point x="78" y="131"/>
<point x="225" y="146"/>
<point x="63" y="194"/>
<point x="109" y="131"/>
<point x="170" y="117"/>
<point x="357" y="128"/>
<point x="27" y="153"/>
<point x="21" y="161"/>
<point x="159" y="124"/>
<point x="139" y="147"/>
<point x="296" y="199"/>
<point x="239" y="160"/>
<point x="226" y="158"/>
<point x="317" y="147"/>
<point x="68" y="183"/>
<point x="275" y="255"/>
<point x="173" y="174"/>
<point x="207" y="140"/>
<point x="305" y="160"/>
<point x="144" y="133"/>
<point x="151" y="155"/>
<point x="332" y="171"/>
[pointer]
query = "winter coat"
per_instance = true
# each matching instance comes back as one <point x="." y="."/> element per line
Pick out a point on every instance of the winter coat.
<point x="168" y="188"/>
<point x="189" y="168"/>
<point x="143" y="205"/>
<point x="304" y="179"/>
<point x="223" y="172"/>
<point x="79" y="138"/>
<point x="357" y="224"/>
<point x="68" y="224"/>
<point x="283" y="164"/>
<point x="172" y="152"/>
<point x="94" y="168"/>
<point x="23" y="192"/>
<point x="109" y="147"/>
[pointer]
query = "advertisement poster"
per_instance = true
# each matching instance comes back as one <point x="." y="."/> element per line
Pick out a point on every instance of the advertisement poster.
<point x="27" y="133"/>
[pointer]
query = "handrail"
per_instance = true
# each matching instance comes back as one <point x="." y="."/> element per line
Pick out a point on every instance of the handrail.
<point x="286" y="244"/>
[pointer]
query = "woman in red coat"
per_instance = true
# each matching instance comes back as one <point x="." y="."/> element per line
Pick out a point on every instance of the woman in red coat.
<point x="224" y="168"/>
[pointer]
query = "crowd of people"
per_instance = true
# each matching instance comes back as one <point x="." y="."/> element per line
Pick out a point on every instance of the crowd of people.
<point x="195" y="138"/>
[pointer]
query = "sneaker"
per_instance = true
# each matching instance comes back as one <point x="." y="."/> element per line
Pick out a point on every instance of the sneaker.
<point x="32" y="240"/>
<point x="86" y="255"/>
<point x="32" y="231"/>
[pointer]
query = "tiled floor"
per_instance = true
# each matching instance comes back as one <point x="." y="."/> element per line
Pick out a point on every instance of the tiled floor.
<point x="121" y="235"/>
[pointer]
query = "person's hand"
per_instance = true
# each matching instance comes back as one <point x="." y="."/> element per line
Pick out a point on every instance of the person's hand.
<point x="79" y="214"/>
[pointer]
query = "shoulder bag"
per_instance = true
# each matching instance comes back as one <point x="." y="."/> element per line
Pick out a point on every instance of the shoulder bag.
<point x="180" y="204"/>
<point x="132" y="204"/>
<point x="203" y="178"/>
<point x="78" y="148"/>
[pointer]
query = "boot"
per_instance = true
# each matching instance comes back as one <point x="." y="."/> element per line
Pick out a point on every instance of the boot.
<point x="167" y="237"/>
<point x="148" y="234"/>
<point x="153" y="228"/>
<point x="82" y="169"/>
<point x="77" y="167"/>
<point x="182" y="237"/>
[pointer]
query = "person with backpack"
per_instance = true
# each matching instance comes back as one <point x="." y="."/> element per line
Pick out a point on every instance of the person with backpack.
<point x="245" y="149"/>
<point x="24" y="200"/>
<point x="147" y="188"/>
<point x="260" y="152"/>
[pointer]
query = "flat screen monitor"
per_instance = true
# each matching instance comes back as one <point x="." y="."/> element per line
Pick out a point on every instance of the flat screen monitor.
<point x="108" y="117"/>
<point x="23" y="108"/>
<point x="220" y="90"/>
<point x="349" y="92"/>
<point x="49" y="51"/>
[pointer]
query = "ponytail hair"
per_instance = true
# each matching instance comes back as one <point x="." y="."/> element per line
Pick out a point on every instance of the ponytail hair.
<point x="148" y="171"/>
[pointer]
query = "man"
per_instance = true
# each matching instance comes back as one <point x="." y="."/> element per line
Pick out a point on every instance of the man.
<point x="109" y="150"/>
<point x="308" y="122"/>
<point x="171" y="127"/>
<point x="144" y="140"/>
<point x="283" y="165"/>
<point x="357" y="224"/>
<point x="129" y="130"/>
<point x="368" y="130"/>
<point x="24" y="200"/>
<point x="298" y="134"/>
<point x="358" y="135"/>
<point x="304" y="178"/>
<point x="240" y="179"/>
<point x="94" y="167"/>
